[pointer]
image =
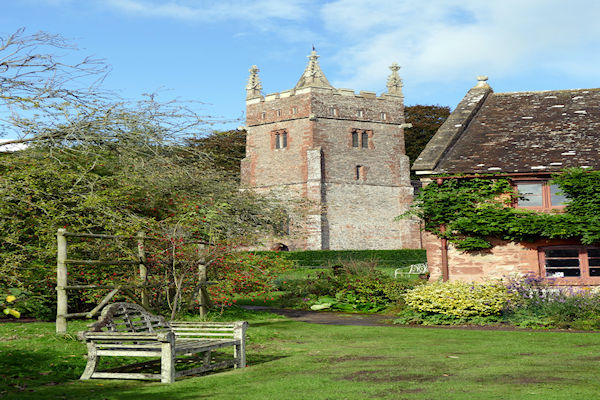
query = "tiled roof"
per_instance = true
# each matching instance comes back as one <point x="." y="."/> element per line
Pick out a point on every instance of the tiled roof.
<point x="521" y="132"/>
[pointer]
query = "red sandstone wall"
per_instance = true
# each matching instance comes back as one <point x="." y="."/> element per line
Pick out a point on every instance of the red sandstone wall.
<point x="504" y="259"/>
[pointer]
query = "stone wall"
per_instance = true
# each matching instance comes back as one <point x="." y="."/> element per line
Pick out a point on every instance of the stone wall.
<point x="503" y="259"/>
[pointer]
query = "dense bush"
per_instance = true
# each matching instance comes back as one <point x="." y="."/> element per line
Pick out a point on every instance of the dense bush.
<point x="351" y="286"/>
<point x="166" y="195"/>
<point x="459" y="299"/>
<point x="529" y="302"/>
<point x="237" y="273"/>
<point x="538" y="304"/>
<point x="383" y="258"/>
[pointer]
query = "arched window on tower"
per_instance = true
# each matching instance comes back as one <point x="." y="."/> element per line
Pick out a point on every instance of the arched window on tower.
<point x="279" y="139"/>
<point x="361" y="138"/>
<point x="354" y="138"/>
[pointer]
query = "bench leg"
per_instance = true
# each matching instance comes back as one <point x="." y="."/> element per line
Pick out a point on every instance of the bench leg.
<point x="167" y="363"/>
<point x="206" y="359"/>
<point x="239" y="353"/>
<point x="92" y="362"/>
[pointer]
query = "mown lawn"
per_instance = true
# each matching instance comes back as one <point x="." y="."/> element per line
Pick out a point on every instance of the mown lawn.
<point x="294" y="360"/>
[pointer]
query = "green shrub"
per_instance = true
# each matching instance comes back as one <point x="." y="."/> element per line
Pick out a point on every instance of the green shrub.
<point x="407" y="316"/>
<point x="538" y="304"/>
<point x="383" y="258"/>
<point x="459" y="299"/>
<point x="351" y="286"/>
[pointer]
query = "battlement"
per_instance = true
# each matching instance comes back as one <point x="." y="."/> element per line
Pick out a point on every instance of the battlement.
<point x="328" y="103"/>
<point x="323" y="91"/>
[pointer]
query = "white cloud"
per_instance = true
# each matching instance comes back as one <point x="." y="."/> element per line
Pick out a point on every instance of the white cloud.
<point x="11" y="147"/>
<point x="207" y="11"/>
<point x="442" y="40"/>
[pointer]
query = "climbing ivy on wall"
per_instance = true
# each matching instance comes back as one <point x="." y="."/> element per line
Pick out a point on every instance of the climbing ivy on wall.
<point x="474" y="210"/>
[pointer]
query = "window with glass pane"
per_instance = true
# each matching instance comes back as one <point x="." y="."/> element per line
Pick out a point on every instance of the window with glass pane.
<point x="354" y="139"/>
<point x="556" y="197"/>
<point x="365" y="140"/>
<point x="594" y="261"/>
<point x="531" y="194"/>
<point x="562" y="263"/>
<point x="284" y="139"/>
<point x="277" y="141"/>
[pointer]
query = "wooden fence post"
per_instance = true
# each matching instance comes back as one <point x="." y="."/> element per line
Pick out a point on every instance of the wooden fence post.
<point x="61" y="282"/>
<point x="143" y="269"/>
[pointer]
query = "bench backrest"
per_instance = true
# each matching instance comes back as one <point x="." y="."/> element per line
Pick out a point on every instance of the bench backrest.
<point x="128" y="317"/>
<point x="212" y="330"/>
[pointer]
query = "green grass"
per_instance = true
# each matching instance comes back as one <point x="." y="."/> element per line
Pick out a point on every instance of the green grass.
<point x="293" y="360"/>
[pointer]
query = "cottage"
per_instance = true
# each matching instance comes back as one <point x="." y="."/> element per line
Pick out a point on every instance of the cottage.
<point x="526" y="137"/>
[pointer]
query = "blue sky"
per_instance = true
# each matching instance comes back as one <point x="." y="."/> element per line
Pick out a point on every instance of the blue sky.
<point x="202" y="50"/>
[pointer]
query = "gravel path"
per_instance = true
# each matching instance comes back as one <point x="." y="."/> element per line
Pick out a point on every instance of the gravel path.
<point x="328" y="318"/>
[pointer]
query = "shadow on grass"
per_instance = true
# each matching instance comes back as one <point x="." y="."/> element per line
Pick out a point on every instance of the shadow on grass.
<point x="53" y="375"/>
<point x="23" y="370"/>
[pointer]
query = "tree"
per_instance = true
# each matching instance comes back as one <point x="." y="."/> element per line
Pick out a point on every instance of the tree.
<point x="98" y="164"/>
<point x="425" y="122"/>
<point x="37" y="83"/>
<point x="225" y="149"/>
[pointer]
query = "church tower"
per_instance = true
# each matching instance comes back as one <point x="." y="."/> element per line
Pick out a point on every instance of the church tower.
<point x="342" y="152"/>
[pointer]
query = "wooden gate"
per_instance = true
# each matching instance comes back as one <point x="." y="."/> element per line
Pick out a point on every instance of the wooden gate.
<point x="62" y="285"/>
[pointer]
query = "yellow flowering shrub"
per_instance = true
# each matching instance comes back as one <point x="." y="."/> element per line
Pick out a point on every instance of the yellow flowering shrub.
<point x="459" y="299"/>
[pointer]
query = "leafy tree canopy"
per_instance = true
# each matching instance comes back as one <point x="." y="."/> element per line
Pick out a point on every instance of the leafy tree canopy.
<point x="224" y="149"/>
<point x="425" y="120"/>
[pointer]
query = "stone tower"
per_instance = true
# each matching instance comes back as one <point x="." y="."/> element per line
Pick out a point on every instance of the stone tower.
<point x="342" y="152"/>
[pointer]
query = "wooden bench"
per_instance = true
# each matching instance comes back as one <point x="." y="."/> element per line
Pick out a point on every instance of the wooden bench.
<point x="126" y="329"/>
<point x="415" y="269"/>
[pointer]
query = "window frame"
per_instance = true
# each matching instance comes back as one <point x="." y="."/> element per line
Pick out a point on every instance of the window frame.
<point x="355" y="139"/>
<point x="361" y="138"/>
<point x="279" y="139"/>
<point x="582" y="256"/>
<point x="364" y="140"/>
<point x="546" y="195"/>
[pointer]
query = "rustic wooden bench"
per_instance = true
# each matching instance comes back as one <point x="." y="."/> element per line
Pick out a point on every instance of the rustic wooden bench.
<point x="126" y="329"/>
<point x="415" y="269"/>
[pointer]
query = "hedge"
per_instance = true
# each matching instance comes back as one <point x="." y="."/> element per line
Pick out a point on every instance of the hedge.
<point x="326" y="258"/>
